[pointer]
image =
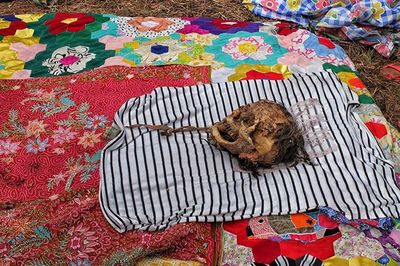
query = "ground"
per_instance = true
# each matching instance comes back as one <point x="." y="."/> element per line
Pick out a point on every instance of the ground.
<point x="367" y="61"/>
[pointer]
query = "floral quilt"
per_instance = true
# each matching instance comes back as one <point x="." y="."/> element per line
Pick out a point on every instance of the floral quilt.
<point x="63" y="44"/>
<point x="372" y="22"/>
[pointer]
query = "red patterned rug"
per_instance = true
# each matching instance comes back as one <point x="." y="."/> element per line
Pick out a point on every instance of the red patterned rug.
<point x="53" y="130"/>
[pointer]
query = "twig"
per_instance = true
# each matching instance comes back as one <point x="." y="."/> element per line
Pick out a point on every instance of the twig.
<point x="168" y="131"/>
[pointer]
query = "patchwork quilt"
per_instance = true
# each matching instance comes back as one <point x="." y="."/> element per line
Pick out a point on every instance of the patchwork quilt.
<point x="372" y="22"/>
<point x="63" y="44"/>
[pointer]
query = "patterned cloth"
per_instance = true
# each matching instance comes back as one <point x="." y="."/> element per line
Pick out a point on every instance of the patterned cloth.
<point x="312" y="237"/>
<point x="71" y="230"/>
<point x="53" y="129"/>
<point x="37" y="45"/>
<point x="166" y="262"/>
<point x="372" y="22"/>
<point x="149" y="182"/>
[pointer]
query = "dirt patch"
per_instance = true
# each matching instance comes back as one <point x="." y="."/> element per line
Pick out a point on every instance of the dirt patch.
<point x="385" y="92"/>
<point x="226" y="9"/>
<point x="367" y="61"/>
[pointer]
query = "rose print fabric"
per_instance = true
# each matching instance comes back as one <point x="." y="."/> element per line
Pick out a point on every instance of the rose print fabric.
<point x="354" y="243"/>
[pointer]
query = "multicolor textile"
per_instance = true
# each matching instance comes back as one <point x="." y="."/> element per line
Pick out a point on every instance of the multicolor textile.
<point x="386" y="231"/>
<point x="71" y="230"/>
<point x="151" y="182"/>
<point x="51" y="135"/>
<point x="166" y="262"/>
<point x="313" y="237"/>
<point x="63" y="44"/>
<point x="372" y="22"/>
<point x="37" y="45"/>
<point x="53" y="129"/>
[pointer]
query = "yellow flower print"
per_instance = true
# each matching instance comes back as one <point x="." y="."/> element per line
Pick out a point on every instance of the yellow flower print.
<point x="204" y="59"/>
<point x="353" y="81"/>
<point x="378" y="10"/>
<point x="336" y="261"/>
<point x="131" y="45"/>
<point x="128" y="62"/>
<point x="9" y="62"/>
<point x="247" y="48"/>
<point x="346" y="76"/>
<point x="4" y="24"/>
<point x="294" y="4"/>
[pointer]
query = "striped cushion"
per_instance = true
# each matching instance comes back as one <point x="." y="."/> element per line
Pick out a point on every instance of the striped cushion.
<point x="151" y="182"/>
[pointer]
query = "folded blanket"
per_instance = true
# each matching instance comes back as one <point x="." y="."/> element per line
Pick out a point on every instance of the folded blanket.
<point x="151" y="182"/>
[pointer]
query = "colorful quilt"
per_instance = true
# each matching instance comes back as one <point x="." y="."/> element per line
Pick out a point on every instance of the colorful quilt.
<point x="372" y="22"/>
<point x="322" y="237"/>
<point x="46" y="45"/>
<point x="37" y="45"/>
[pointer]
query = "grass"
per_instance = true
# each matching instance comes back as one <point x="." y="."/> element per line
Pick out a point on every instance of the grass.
<point x="367" y="61"/>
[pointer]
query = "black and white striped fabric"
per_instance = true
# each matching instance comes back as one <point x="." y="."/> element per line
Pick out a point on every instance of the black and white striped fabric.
<point x="306" y="260"/>
<point x="150" y="182"/>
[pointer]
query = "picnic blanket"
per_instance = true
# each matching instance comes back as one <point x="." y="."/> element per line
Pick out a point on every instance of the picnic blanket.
<point x="45" y="45"/>
<point x="371" y="22"/>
